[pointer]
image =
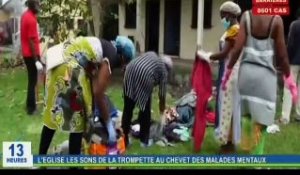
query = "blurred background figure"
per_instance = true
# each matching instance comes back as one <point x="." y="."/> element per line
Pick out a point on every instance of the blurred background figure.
<point x="294" y="56"/>
<point x="30" y="43"/>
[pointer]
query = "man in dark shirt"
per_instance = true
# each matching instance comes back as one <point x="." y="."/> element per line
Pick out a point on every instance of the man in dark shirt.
<point x="31" y="51"/>
<point x="294" y="58"/>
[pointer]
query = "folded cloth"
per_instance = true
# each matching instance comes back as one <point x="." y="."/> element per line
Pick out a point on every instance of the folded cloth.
<point x="187" y="99"/>
<point x="183" y="132"/>
<point x="204" y="55"/>
<point x="135" y="128"/>
<point x="54" y="57"/>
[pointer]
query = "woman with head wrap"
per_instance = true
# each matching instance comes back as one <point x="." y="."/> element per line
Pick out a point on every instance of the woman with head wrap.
<point x="261" y="38"/>
<point x="78" y="72"/>
<point x="141" y="76"/>
<point x="227" y="109"/>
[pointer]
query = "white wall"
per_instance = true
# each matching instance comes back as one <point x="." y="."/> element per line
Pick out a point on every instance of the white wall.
<point x="188" y="36"/>
<point x="122" y="29"/>
<point x="161" y="26"/>
<point x="212" y="36"/>
<point x="138" y="36"/>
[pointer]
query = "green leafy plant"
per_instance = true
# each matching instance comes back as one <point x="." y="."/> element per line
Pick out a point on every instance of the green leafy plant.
<point x="55" y="16"/>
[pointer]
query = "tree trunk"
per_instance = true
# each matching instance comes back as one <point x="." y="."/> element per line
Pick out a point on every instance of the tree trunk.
<point x="91" y="28"/>
<point x="95" y="6"/>
<point x="98" y="12"/>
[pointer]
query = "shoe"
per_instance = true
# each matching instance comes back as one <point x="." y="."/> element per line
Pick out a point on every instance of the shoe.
<point x="129" y="144"/>
<point x="150" y="143"/>
<point x="229" y="148"/>
<point x="34" y="112"/>
<point x="283" y="121"/>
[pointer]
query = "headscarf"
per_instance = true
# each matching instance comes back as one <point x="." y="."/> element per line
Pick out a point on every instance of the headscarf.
<point x="168" y="61"/>
<point x="125" y="47"/>
<point x="231" y="7"/>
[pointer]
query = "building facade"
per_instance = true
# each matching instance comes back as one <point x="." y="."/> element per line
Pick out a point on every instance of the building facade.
<point x="10" y="17"/>
<point x="170" y="26"/>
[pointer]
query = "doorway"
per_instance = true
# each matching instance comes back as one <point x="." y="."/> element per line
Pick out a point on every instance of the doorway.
<point x="152" y="25"/>
<point x="172" y="27"/>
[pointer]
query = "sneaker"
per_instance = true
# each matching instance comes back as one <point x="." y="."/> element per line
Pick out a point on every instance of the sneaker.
<point x="297" y="118"/>
<point x="129" y="143"/>
<point x="35" y="112"/>
<point x="144" y="145"/>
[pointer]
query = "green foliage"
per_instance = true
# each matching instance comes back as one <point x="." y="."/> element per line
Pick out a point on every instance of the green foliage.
<point x="9" y="60"/>
<point x="56" y="14"/>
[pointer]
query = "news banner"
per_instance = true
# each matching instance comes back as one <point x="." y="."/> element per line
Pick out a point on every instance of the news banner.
<point x="19" y="155"/>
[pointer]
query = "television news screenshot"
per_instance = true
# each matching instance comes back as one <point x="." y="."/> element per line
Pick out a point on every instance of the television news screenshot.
<point x="149" y="84"/>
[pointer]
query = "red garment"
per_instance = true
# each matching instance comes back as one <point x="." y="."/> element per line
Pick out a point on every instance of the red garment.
<point x="29" y="30"/>
<point x="73" y="102"/>
<point x="210" y="117"/>
<point x="202" y="84"/>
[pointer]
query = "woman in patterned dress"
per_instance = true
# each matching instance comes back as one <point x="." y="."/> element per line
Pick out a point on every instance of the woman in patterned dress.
<point x="77" y="71"/>
<point x="227" y="130"/>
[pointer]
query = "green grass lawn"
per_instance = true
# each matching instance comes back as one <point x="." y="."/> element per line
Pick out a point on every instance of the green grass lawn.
<point x="16" y="125"/>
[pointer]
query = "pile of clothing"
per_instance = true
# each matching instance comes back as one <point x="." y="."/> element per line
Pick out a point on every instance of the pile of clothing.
<point x="166" y="131"/>
<point x="163" y="134"/>
<point x="175" y="124"/>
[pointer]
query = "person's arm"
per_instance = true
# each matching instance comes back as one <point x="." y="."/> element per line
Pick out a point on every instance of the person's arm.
<point x="32" y="34"/>
<point x="162" y="92"/>
<point x="32" y="49"/>
<point x="224" y="52"/>
<point x="239" y="43"/>
<point x="100" y="86"/>
<point x="280" y="47"/>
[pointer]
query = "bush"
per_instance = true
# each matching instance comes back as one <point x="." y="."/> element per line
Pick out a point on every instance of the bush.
<point x="10" y="60"/>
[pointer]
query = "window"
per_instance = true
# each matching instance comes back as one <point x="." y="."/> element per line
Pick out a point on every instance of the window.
<point x="130" y="15"/>
<point x="207" y="14"/>
<point x="70" y="24"/>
